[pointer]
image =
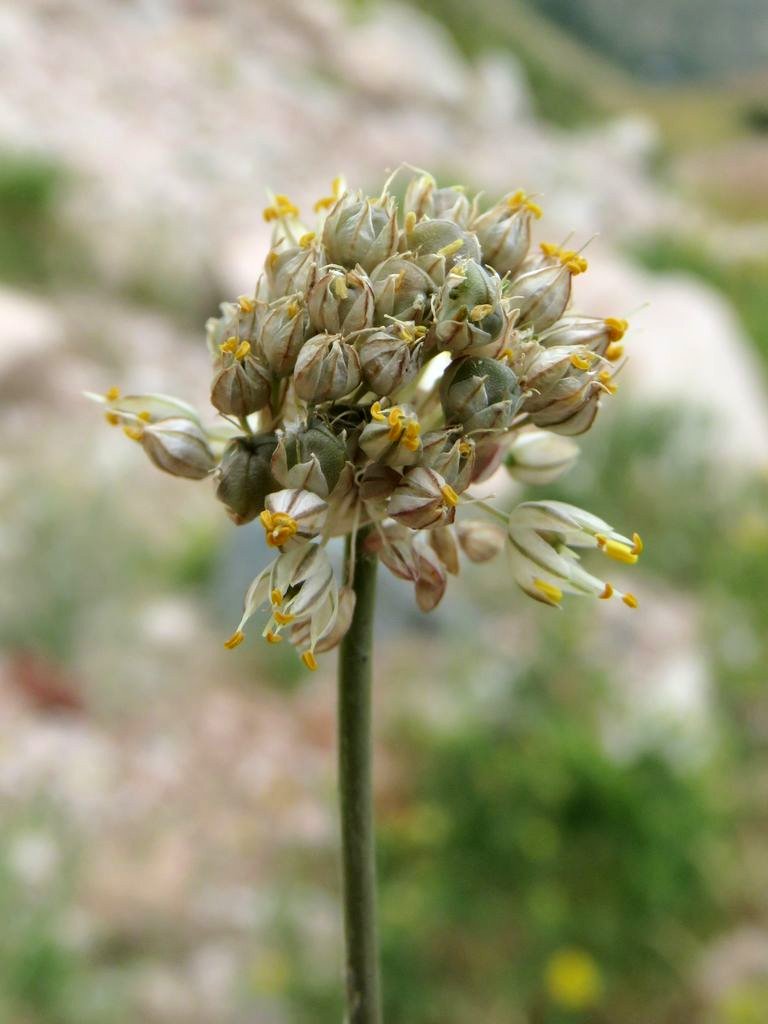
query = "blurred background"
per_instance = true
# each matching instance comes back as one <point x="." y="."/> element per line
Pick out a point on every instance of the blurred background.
<point x="572" y="808"/>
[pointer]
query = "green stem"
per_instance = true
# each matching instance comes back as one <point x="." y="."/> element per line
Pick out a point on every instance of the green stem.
<point x="355" y="792"/>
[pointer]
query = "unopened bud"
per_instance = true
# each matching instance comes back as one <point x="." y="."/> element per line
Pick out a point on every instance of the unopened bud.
<point x="283" y="330"/>
<point x="538" y="457"/>
<point x="479" y="394"/>
<point x="327" y="368"/>
<point x="245" y="476"/>
<point x="359" y="230"/>
<point x="390" y="359"/>
<point x="480" y="541"/>
<point x="242" y="385"/>
<point x="311" y="458"/>
<point x="341" y="302"/>
<point x="178" y="446"/>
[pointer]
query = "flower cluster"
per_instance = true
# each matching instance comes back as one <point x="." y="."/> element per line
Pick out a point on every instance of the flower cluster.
<point x="389" y="358"/>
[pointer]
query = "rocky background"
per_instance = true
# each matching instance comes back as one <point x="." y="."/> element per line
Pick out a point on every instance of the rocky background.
<point x="589" y="784"/>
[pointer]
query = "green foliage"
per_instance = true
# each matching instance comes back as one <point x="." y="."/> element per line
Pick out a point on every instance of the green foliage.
<point x="524" y="838"/>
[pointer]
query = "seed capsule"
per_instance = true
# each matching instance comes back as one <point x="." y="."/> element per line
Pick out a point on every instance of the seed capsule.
<point x="245" y="476"/>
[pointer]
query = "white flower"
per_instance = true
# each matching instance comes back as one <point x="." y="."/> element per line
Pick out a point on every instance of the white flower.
<point x="541" y="536"/>
<point x="538" y="457"/>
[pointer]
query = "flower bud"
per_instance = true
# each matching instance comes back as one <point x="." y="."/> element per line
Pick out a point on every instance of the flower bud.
<point x="245" y="476"/>
<point x="392" y="358"/>
<point x="453" y="458"/>
<point x="359" y="230"/>
<point x="443" y="542"/>
<point x="423" y="499"/>
<point x="479" y="394"/>
<point x="341" y="301"/>
<point x="442" y="237"/>
<point x="176" y="445"/>
<point x="480" y="541"/>
<point x="283" y="330"/>
<point x="291" y="269"/>
<point x="431" y="580"/>
<point x="504" y="232"/>
<point x="571" y="406"/>
<point x="242" y="384"/>
<point x="327" y="368"/>
<point x="402" y="289"/>
<point x="538" y="457"/>
<point x="393" y="436"/>
<point x="239" y="320"/>
<point x="311" y="458"/>
<point x="543" y="293"/>
<point x="467" y="311"/>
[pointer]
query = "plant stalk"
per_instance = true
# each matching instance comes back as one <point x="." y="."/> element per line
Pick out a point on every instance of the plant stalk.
<point x="356" y="797"/>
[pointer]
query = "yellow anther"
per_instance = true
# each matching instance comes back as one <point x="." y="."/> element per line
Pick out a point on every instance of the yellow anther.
<point x="283" y="618"/>
<point x="606" y="380"/>
<point x="410" y="222"/>
<point x="279" y="527"/>
<point x="307" y="239"/>
<point x="452" y="248"/>
<point x="145" y="417"/>
<point x="395" y="420"/>
<point x="273" y="638"/>
<point x="276" y="597"/>
<point x="112" y="419"/>
<point x="246" y="305"/>
<point x="616" y="328"/>
<point x="450" y="496"/>
<point x="549" y="590"/>
<point x="581" y="361"/>
<point x="573" y="262"/>
<point x="272" y="259"/>
<point x="282" y="207"/>
<point x="293" y="309"/>
<point x="629" y="600"/>
<point x="235" y="640"/>
<point x="478" y="313"/>
<point x="112" y="395"/>
<point x="409" y="334"/>
<point x="506" y="353"/>
<point x="614" y="351"/>
<point x="550" y="249"/>
<point x="617" y="549"/>
<point x="607" y="592"/>
<point x="243" y="350"/>
<point x="135" y="433"/>
<point x="229" y="346"/>
<point x="339" y="287"/>
<point x="309" y="660"/>
<point x="465" y="448"/>
<point x="637" y="544"/>
<point x="520" y="201"/>
<point x="411" y="436"/>
<point x="328" y="201"/>
<point x="377" y="414"/>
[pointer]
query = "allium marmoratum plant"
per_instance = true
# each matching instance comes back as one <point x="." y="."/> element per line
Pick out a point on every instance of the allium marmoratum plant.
<point x="388" y="360"/>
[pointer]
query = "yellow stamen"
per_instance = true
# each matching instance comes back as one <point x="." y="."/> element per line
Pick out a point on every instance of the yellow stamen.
<point x="246" y="305"/>
<point x="135" y="433"/>
<point x="607" y="592"/>
<point x="328" y="201"/>
<point x="272" y="259"/>
<point x="629" y="600"/>
<point x="229" y="346"/>
<point x="282" y="207"/>
<point x="616" y="328"/>
<point x="276" y="597"/>
<point x="145" y="417"/>
<point x="520" y="201"/>
<point x="339" y="287"/>
<point x="410" y="438"/>
<point x="617" y="550"/>
<point x="273" y="638"/>
<point x="307" y="239"/>
<point x="112" y="395"/>
<point x="478" y="313"/>
<point x="283" y="618"/>
<point x="235" y="640"/>
<point x="549" y="590"/>
<point x="309" y="660"/>
<point x="410" y="222"/>
<point x="465" y="448"/>
<point x="376" y="413"/>
<point x="452" y="248"/>
<point x="112" y="419"/>
<point x="395" y="420"/>
<point x="606" y="380"/>
<point x="293" y="309"/>
<point x="279" y="527"/>
<point x="450" y="496"/>
<point x="550" y="249"/>
<point x="243" y="350"/>
<point x="410" y="334"/>
<point x="637" y="544"/>
<point x="614" y="351"/>
<point x="572" y="261"/>
<point x="580" y="361"/>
